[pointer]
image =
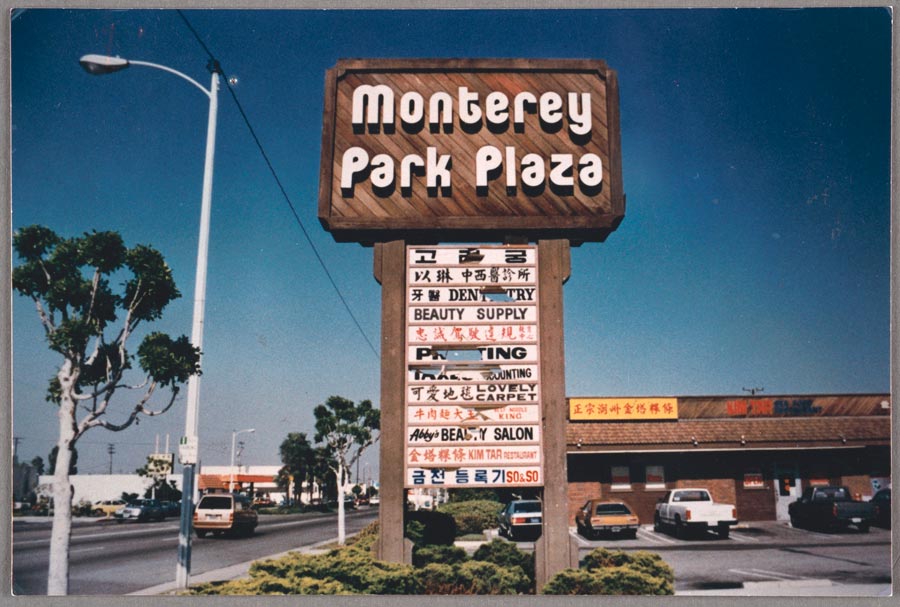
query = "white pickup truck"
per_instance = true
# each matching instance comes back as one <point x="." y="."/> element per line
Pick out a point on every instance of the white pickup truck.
<point x="690" y="509"/>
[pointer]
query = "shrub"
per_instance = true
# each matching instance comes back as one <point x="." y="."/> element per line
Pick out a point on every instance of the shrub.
<point x="648" y="562"/>
<point x="615" y="573"/>
<point x="426" y="527"/>
<point x="448" y="555"/>
<point x="471" y="577"/>
<point x="473" y="516"/>
<point x="507" y="554"/>
<point x="488" y="578"/>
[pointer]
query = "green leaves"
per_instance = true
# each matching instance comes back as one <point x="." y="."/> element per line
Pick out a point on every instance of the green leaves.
<point x="152" y="287"/>
<point x="168" y="361"/>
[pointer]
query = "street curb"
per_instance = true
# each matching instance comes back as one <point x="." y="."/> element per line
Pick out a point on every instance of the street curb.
<point x="231" y="572"/>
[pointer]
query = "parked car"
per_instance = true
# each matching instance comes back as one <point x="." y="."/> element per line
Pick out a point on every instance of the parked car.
<point x="106" y="508"/>
<point x="171" y="509"/>
<point x="140" y="511"/>
<point x="882" y="502"/>
<point x="374" y="500"/>
<point x="220" y="513"/>
<point x="830" y="507"/>
<point x="521" y="518"/>
<point x="693" y="509"/>
<point x="263" y="502"/>
<point x="599" y="516"/>
<point x="362" y="500"/>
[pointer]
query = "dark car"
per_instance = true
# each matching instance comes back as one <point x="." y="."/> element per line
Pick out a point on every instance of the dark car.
<point x="882" y="502"/>
<point x="521" y="518"/>
<point x="830" y="508"/>
<point x="141" y="511"/>
<point x="171" y="509"/>
<point x="220" y="513"/>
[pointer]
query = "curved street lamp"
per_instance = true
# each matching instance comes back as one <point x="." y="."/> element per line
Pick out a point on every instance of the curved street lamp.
<point x="231" y="467"/>
<point x="99" y="65"/>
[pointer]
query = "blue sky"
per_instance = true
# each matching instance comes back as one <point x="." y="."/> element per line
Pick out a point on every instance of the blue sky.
<point x="754" y="250"/>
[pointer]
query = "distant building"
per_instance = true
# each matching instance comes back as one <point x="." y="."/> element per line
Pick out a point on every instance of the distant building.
<point x="756" y="452"/>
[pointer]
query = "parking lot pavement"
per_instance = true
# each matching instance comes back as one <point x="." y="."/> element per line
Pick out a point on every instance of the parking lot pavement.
<point x="751" y="535"/>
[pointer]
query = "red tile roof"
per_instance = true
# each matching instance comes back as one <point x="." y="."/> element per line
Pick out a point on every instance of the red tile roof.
<point x="728" y="433"/>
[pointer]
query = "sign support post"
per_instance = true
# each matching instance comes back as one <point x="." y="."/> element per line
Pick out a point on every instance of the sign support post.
<point x="552" y="553"/>
<point x="390" y="272"/>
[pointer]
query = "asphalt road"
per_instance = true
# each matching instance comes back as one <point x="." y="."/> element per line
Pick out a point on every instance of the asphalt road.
<point x="116" y="559"/>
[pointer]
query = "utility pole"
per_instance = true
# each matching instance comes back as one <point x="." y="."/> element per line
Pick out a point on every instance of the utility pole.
<point x="111" y="448"/>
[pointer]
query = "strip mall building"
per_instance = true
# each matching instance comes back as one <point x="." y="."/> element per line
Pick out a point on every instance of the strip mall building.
<point x="757" y="453"/>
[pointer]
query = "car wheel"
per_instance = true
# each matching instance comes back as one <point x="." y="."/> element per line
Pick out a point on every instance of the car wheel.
<point x="679" y="531"/>
<point x="795" y="522"/>
<point x="657" y="524"/>
<point x="724" y="531"/>
<point x="200" y="532"/>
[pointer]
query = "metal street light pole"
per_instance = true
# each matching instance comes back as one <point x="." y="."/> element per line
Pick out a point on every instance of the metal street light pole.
<point x="231" y="467"/>
<point x="102" y="64"/>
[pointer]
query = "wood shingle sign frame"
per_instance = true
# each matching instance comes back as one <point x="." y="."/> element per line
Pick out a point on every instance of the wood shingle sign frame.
<point x="466" y="149"/>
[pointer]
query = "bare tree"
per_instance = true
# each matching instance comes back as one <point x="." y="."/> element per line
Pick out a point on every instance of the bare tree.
<point x="68" y="280"/>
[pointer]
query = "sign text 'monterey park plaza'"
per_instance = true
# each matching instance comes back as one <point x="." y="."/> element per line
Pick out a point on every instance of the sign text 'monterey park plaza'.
<point x="514" y="159"/>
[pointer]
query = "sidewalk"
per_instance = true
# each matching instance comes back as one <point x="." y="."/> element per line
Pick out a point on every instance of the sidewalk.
<point x="807" y="588"/>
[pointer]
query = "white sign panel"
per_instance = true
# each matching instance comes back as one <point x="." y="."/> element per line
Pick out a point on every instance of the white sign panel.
<point x="471" y="276"/>
<point x="472" y="334"/>
<point x="482" y="354"/>
<point x="470" y="294"/>
<point x="474" y="477"/>
<point x="494" y="455"/>
<point x="436" y="415"/>
<point x="473" y="394"/>
<point x="443" y="373"/>
<point x="454" y="256"/>
<point x="454" y="435"/>
<point x="471" y="314"/>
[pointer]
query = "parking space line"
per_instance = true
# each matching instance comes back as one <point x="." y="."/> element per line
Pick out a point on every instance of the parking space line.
<point x="655" y="537"/>
<point x="738" y="537"/>
<point x="763" y="573"/>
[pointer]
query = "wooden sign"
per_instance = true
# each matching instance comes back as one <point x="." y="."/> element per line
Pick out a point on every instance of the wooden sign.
<point x="470" y="150"/>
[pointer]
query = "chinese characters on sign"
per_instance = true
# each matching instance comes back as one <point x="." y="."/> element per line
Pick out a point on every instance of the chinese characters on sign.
<point x="473" y="398"/>
<point x="622" y="409"/>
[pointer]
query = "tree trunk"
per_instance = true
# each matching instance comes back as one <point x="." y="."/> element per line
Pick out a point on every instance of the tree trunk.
<point x="342" y="534"/>
<point x="58" y="574"/>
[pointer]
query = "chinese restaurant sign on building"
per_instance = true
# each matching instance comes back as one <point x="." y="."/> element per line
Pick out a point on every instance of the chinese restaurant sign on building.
<point x="622" y="409"/>
<point x="473" y="397"/>
<point x="470" y="149"/>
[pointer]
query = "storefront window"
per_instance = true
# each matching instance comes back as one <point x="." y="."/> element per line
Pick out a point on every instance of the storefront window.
<point x="753" y="479"/>
<point x="656" y="478"/>
<point x="621" y="477"/>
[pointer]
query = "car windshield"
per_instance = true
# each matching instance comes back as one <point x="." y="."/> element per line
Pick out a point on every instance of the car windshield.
<point x="691" y="496"/>
<point x="831" y="493"/>
<point x="613" y="509"/>
<point x="527" y="507"/>
<point x="215" y="503"/>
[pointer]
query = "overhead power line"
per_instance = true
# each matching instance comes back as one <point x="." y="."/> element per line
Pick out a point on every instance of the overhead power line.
<point x="284" y="194"/>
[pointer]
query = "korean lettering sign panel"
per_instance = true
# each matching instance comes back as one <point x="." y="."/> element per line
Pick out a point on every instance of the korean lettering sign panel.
<point x="473" y="392"/>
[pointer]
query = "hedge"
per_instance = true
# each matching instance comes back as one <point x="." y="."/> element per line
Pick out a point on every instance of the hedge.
<point x="473" y="516"/>
<point x="353" y="569"/>
<point x="615" y="573"/>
